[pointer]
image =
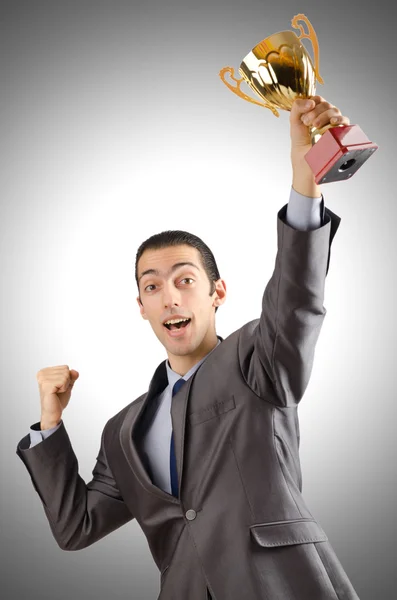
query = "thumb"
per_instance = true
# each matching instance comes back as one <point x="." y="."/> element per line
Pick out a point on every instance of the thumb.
<point x="299" y="107"/>
<point x="74" y="375"/>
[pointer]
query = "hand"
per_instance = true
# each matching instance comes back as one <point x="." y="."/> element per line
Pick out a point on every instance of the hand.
<point x="55" y="386"/>
<point x="318" y="113"/>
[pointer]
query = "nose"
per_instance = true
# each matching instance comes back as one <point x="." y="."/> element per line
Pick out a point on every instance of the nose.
<point x="171" y="295"/>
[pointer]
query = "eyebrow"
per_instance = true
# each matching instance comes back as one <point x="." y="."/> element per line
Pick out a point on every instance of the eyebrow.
<point x="172" y="269"/>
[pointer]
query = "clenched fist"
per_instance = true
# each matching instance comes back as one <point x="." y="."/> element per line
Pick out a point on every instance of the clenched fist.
<point x="315" y="112"/>
<point x="55" y="386"/>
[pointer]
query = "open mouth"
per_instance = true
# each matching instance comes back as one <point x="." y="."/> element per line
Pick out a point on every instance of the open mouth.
<point x="176" y="326"/>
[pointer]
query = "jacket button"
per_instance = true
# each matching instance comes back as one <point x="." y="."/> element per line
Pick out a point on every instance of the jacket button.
<point x="191" y="514"/>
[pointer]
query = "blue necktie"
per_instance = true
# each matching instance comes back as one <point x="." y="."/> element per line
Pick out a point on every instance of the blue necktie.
<point x="173" y="471"/>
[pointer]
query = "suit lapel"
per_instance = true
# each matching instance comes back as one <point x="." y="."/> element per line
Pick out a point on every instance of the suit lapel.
<point x="136" y="422"/>
<point x="178" y="417"/>
<point x="179" y="406"/>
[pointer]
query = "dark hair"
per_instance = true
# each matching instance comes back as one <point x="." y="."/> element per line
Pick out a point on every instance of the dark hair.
<point x="169" y="238"/>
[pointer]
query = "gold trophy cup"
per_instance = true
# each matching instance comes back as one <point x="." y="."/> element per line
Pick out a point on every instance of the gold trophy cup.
<point x="279" y="69"/>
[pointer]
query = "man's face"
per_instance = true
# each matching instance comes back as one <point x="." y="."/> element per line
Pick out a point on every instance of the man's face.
<point x="183" y="291"/>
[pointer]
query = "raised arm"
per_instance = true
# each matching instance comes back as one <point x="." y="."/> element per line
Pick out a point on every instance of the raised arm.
<point x="285" y="336"/>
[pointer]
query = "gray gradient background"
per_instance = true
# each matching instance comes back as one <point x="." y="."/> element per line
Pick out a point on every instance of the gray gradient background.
<point x="114" y="126"/>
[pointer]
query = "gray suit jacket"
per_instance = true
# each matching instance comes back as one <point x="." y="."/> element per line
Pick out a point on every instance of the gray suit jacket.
<point x="240" y="527"/>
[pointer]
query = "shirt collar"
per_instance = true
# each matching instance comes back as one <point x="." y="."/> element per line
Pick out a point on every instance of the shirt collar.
<point x="173" y="377"/>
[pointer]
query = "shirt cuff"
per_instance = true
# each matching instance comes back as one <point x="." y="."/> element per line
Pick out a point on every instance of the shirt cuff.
<point x="303" y="212"/>
<point x="37" y="435"/>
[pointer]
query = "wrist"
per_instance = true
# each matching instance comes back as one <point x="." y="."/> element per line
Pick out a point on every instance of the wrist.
<point x="303" y="180"/>
<point x="48" y="424"/>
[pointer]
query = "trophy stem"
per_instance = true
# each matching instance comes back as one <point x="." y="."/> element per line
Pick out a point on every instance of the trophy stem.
<point x="315" y="134"/>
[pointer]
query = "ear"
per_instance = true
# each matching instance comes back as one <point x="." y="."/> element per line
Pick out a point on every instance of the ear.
<point x="141" y="309"/>
<point x="220" y="292"/>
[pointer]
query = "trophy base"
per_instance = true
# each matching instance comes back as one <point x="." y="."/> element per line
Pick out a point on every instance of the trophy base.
<point x="339" y="153"/>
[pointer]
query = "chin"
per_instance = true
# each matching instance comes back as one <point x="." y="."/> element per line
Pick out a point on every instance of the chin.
<point x="179" y="343"/>
<point x="180" y="347"/>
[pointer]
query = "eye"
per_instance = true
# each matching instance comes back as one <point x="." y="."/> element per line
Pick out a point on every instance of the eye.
<point x="152" y="284"/>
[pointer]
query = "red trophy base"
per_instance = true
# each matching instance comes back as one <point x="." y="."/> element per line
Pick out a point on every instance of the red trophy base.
<point x="339" y="153"/>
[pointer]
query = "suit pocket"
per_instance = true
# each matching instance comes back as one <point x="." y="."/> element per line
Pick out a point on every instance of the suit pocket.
<point x="288" y="533"/>
<point x="211" y="411"/>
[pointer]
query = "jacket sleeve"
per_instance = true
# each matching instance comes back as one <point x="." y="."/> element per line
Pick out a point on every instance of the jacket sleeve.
<point x="37" y="435"/>
<point x="292" y="312"/>
<point x="79" y="514"/>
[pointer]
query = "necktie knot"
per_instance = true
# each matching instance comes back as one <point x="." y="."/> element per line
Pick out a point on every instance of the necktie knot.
<point x="178" y="385"/>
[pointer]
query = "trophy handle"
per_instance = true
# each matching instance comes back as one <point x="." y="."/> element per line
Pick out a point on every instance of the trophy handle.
<point x="236" y="89"/>
<point x="310" y="36"/>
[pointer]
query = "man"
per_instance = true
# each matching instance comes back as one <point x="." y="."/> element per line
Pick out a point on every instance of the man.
<point x="207" y="460"/>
